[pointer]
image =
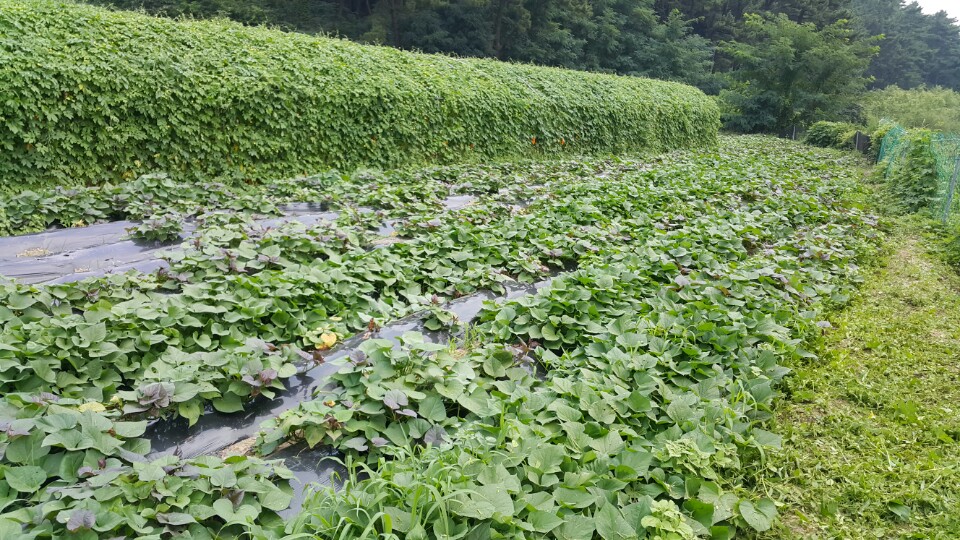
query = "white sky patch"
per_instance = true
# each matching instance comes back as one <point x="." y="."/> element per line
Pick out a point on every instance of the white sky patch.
<point x="932" y="6"/>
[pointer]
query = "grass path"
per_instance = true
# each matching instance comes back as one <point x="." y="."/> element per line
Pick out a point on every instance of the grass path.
<point x="872" y="429"/>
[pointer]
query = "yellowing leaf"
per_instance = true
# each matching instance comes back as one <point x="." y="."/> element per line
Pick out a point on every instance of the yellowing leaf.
<point x="94" y="406"/>
<point x="328" y="339"/>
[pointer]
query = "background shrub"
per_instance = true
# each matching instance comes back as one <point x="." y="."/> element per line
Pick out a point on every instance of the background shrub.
<point x="832" y="135"/>
<point x="93" y="96"/>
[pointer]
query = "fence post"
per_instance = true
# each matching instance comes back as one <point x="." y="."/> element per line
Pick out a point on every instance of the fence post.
<point x="953" y="187"/>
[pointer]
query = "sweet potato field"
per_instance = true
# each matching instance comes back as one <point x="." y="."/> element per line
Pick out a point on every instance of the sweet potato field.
<point x="571" y="349"/>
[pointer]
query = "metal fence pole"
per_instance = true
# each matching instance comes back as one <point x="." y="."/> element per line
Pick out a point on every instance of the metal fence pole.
<point x="953" y="187"/>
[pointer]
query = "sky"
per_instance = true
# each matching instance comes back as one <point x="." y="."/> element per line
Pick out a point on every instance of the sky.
<point x="950" y="6"/>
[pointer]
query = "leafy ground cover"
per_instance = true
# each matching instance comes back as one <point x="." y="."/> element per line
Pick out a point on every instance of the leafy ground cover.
<point x="625" y="400"/>
<point x="870" y="430"/>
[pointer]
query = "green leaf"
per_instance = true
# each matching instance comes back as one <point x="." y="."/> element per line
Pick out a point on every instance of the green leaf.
<point x="229" y="403"/>
<point x="900" y="510"/>
<point x="574" y="498"/>
<point x="26" y="479"/>
<point x="474" y="507"/>
<point x="129" y="430"/>
<point x="149" y="472"/>
<point x="276" y="499"/>
<point x="29" y="449"/>
<point x="543" y="521"/>
<point x="93" y="333"/>
<point x="759" y="516"/>
<point x="611" y="525"/>
<point x="575" y="527"/>
<point x="223" y="478"/>
<point x="546" y="458"/>
<point x="485" y="502"/>
<point x="432" y="409"/>
<point x="190" y="410"/>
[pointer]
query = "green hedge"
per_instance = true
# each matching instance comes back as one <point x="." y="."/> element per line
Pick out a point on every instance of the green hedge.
<point x="832" y="135"/>
<point x="91" y="95"/>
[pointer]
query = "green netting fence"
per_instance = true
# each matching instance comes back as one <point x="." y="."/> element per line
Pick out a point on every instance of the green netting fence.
<point x="931" y="160"/>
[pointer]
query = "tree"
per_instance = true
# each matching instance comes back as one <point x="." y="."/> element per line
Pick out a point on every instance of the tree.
<point x="788" y="73"/>
<point x="917" y="49"/>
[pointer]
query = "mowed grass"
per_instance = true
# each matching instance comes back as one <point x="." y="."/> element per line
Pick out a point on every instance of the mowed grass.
<point x="871" y="429"/>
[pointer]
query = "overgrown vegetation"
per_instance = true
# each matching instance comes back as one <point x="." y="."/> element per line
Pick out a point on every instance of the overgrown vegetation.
<point x="206" y="99"/>
<point x="666" y="38"/>
<point x="919" y="167"/>
<point x="937" y="109"/>
<point x="696" y="42"/>
<point x="794" y="73"/>
<point x="626" y="399"/>
<point x="832" y="135"/>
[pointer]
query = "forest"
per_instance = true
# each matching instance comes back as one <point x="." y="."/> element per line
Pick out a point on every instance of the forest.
<point x="776" y="63"/>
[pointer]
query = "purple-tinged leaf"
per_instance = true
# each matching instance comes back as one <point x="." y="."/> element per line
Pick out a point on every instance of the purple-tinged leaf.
<point x="85" y="472"/>
<point x="14" y="432"/>
<point x="435" y="436"/>
<point x="44" y="398"/>
<point x="358" y="358"/>
<point x="157" y="394"/>
<point x="395" y="399"/>
<point x="81" y="519"/>
<point x="236" y="497"/>
<point x="407" y="412"/>
<point x="267" y="376"/>
<point x="379" y="441"/>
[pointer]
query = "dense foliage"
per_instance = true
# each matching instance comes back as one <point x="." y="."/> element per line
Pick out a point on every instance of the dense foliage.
<point x="918" y="49"/>
<point x="909" y="164"/>
<point x="832" y="135"/>
<point x="680" y="40"/>
<point x="794" y="73"/>
<point x="937" y="109"/>
<point x="624" y="400"/>
<point x="95" y="96"/>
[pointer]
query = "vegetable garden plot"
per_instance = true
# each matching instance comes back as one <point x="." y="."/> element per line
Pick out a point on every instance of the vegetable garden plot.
<point x="654" y="361"/>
